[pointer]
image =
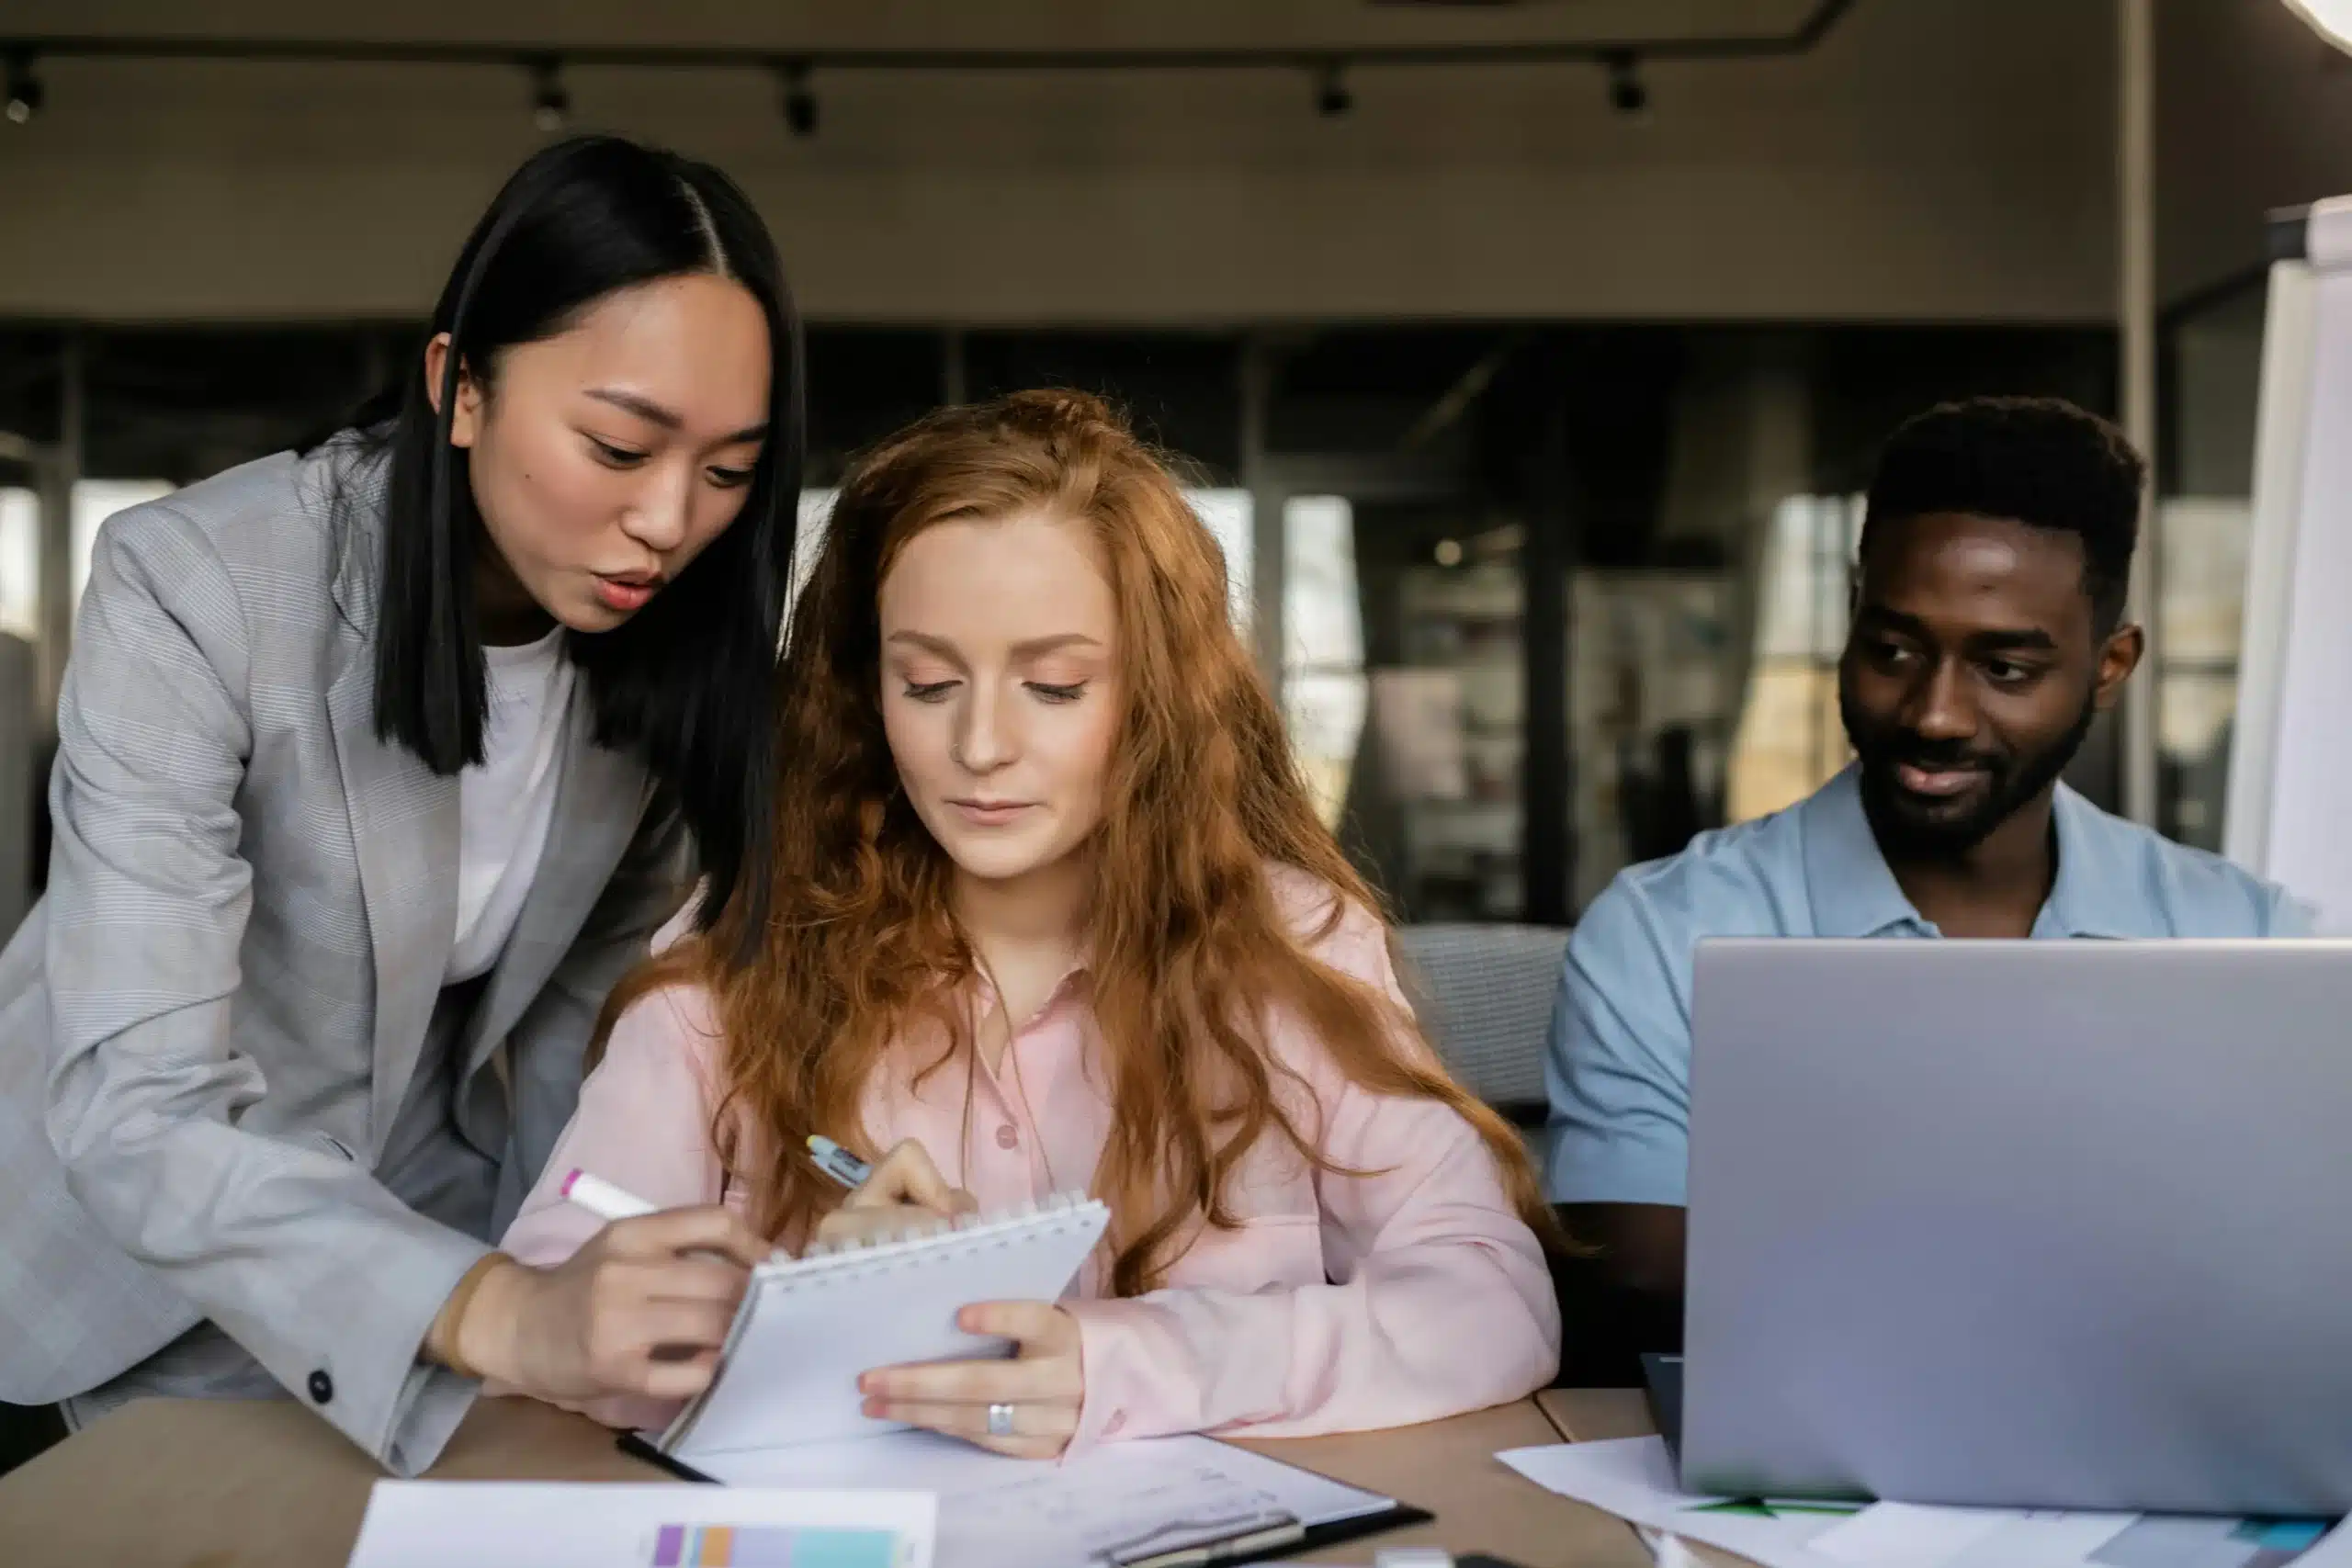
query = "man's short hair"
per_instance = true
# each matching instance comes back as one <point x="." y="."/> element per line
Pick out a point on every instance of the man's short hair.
<point x="2040" y="461"/>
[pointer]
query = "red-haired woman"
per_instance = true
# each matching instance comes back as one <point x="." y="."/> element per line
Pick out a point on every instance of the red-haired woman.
<point x="1049" y="908"/>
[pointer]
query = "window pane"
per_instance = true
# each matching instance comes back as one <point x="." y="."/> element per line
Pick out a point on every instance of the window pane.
<point x="20" y="564"/>
<point x="1650" y="704"/>
<point x="2203" y="582"/>
<point x="1230" y="517"/>
<point x="1322" y="620"/>
<point x="808" y="539"/>
<point x="1789" y="740"/>
<point x="1324" y="690"/>
<point x="1473" y="845"/>
<point x="1439" y="796"/>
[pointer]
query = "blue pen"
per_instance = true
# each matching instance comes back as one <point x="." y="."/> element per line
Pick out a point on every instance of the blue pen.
<point x="838" y="1162"/>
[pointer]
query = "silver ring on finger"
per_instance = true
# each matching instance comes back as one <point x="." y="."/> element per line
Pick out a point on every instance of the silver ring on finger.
<point x="1000" y="1420"/>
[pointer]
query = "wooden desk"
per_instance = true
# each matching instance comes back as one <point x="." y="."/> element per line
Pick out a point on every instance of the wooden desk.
<point x="1596" y="1415"/>
<point x="190" y="1484"/>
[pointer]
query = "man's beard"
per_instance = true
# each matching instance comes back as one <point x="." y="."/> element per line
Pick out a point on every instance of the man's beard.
<point x="1908" y="825"/>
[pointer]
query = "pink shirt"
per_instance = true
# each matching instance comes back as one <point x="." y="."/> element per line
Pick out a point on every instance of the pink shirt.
<point x="1339" y="1304"/>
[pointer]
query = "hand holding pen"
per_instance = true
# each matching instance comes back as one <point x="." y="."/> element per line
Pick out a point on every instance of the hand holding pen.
<point x="904" y="1190"/>
<point x="612" y="1204"/>
<point x="641" y="1309"/>
<point x="901" y="1192"/>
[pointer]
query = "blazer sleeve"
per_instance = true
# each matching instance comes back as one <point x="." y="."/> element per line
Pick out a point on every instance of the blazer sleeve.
<point x="301" y="1257"/>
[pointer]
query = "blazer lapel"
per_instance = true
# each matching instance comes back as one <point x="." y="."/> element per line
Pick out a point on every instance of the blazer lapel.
<point x="404" y="830"/>
<point x="599" y="800"/>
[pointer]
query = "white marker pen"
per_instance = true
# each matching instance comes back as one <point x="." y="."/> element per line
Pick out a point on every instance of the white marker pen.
<point x="602" y="1198"/>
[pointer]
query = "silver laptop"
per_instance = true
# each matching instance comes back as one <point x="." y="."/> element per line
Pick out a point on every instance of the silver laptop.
<point x="2061" y="1224"/>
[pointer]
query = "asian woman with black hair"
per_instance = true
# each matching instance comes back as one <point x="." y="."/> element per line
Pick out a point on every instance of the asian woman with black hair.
<point x="378" y="763"/>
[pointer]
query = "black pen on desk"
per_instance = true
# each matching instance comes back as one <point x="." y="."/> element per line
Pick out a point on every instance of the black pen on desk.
<point x="838" y="1162"/>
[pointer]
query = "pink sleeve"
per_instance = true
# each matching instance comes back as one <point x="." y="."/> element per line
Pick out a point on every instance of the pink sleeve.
<point x="1439" y="1298"/>
<point x="643" y="1124"/>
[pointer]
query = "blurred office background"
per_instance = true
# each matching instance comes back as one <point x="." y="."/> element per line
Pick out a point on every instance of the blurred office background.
<point x="1531" y="394"/>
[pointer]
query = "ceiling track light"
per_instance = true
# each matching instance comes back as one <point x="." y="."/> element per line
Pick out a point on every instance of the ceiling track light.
<point x="799" y="100"/>
<point x="550" y="99"/>
<point x="1332" y="97"/>
<point x="26" y="94"/>
<point x="1627" y="94"/>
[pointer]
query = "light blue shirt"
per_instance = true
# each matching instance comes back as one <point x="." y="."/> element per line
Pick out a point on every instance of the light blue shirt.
<point x="1617" y="1057"/>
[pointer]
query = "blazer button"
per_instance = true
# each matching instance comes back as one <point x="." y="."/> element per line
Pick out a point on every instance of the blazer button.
<point x="322" y="1387"/>
<point x="1007" y="1137"/>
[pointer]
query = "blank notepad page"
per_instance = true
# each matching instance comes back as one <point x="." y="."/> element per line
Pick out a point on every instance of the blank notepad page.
<point x="808" y="1327"/>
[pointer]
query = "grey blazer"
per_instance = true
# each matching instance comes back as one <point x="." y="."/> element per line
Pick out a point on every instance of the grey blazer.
<point x="210" y="1023"/>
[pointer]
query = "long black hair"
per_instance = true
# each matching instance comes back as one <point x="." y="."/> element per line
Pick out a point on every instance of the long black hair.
<point x="688" y="681"/>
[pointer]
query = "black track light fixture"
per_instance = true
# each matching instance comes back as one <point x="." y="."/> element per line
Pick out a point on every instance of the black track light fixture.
<point x="799" y="100"/>
<point x="550" y="99"/>
<point x="1627" y="93"/>
<point x="26" y="93"/>
<point x="1332" y="95"/>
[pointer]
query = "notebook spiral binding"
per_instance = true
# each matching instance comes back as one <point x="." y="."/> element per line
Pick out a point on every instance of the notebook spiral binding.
<point x="925" y="1243"/>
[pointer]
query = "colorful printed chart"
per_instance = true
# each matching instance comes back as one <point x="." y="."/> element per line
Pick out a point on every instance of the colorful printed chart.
<point x="774" y="1546"/>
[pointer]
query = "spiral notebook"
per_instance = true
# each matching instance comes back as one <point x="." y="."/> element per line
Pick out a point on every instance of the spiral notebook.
<point x="810" y="1326"/>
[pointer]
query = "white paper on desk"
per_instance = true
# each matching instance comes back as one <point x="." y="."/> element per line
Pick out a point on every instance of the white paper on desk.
<point x="444" y="1524"/>
<point x="996" y="1512"/>
<point x="1635" y="1478"/>
<point x="1906" y="1534"/>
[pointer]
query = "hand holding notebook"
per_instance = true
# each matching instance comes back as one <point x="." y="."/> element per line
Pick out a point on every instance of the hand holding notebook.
<point x="1026" y="1407"/>
<point x="809" y="1328"/>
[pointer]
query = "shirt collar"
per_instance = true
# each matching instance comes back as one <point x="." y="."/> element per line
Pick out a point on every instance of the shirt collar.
<point x="1072" y="986"/>
<point x="1853" y="893"/>
<point x="2100" y="891"/>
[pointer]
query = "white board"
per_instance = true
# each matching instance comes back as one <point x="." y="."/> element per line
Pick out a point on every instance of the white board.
<point x="2289" y="812"/>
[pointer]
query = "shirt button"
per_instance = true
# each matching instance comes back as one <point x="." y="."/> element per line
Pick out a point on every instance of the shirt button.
<point x="1115" y="1424"/>
<point x="1008" y="1136"/>
<point x="322" y="1387"/>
